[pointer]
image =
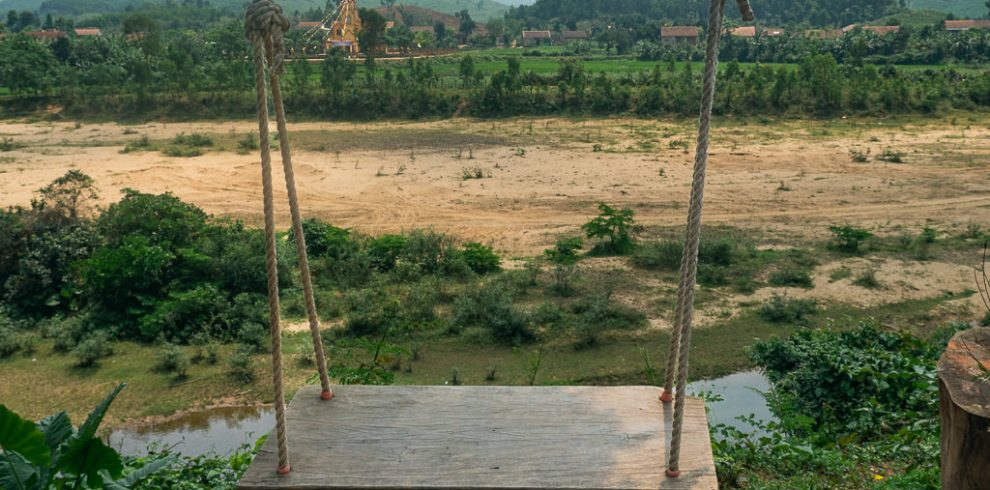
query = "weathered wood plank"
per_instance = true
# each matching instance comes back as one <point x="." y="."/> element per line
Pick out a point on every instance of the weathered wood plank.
<point x="965" y="411"/>
<point x="485" y="438"/>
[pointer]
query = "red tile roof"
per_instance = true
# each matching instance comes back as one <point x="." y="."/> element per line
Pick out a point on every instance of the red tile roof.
<point x="965" y="25"/>
<point x="743" y="31"/>
<point x="88" y="31"/>
<point x="679" y="31"/>
<point x="45" y="34"/>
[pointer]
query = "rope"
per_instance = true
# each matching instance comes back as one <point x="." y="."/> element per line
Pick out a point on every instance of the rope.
<point x="307" y="279"/>
<point x="681" y="340"/>
<point x="264" y="25"/>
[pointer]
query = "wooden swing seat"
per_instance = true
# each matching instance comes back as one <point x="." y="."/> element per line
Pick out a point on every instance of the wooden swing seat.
<point x="481" y="437"/>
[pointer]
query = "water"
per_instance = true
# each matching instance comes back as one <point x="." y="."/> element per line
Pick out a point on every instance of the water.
<point x="217" y="430"/>
<point x="224" y="430"/>
<point x="741" y="396"/>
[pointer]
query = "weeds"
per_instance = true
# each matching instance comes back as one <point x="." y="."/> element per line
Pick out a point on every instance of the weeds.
<point x="859" y="156"/>
<point x="847" y="239"/>
<point x="140" y="144"/>
<point x="891" y="156"/>
<point x="868" y="279"/>
<point x="781" y="309"/>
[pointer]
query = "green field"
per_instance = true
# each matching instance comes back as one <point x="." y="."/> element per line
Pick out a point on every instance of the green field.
<point x="959" y="8"/>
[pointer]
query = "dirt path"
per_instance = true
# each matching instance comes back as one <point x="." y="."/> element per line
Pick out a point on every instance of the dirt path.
<point x="545" y="175"/>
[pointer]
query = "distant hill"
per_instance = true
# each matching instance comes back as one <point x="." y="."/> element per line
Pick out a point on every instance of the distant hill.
<point x="960" y="8"/>
<point x="481" y="10"/>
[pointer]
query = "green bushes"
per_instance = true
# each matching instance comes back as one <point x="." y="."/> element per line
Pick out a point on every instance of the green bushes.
<point x="781" y="309"/>
<point x="92" y="348"/>
<point x="613" y="226"/>
<point x="789" y="277"/>
<point x="481" y="258"/>
<point x="171" y="359"/>
<point x="847" y="239"/>
<point x="490" y="306"/>
<point x="241" y="365"/>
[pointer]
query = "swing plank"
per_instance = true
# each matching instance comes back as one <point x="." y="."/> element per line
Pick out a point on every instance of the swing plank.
<point x="440" y="437"/>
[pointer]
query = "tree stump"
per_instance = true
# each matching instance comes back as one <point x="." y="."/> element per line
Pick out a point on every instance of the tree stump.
<point x="965" y="410"/>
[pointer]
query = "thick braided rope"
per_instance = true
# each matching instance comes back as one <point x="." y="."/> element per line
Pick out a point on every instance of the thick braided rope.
<point x="304" y="271"/>
<point x="261" y="18"/>
<point x="689" y="273"/>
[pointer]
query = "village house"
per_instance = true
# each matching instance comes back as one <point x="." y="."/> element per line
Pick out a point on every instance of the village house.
<point x="743" y="31"/>
<point x="679" y="35"/>
<point x="878" y="30"/>
<point x="88" y="32"/>
<point x="535" y="38"/>
<point x="574" y="36"/>
<point x="965" y="25"/>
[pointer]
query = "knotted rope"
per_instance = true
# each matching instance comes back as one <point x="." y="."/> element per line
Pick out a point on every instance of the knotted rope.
<point x="264" y="25"/>
<point x="680" y="346"/>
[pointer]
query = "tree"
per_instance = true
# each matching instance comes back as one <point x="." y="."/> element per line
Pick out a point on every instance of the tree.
<point x="403" y="38"/>
<point x="336" y="72"/>
<point x="28" y="65"/>
<point x="467" y="25"/>
<point x="467" y="70"/>
<point x="614" y="225"/>
<point x="440" y="31"/>
<point x="372" y="34"/>
<point x="66" y="196"/>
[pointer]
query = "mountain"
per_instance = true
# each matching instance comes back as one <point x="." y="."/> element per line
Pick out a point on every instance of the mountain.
<point x="480" y="10"/>
<point x="975" y="9"/>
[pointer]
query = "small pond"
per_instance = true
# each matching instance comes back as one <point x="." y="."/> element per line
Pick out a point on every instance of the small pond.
<point x="226" y="429"/>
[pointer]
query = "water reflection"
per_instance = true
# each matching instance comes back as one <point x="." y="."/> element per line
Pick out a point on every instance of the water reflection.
<point x="217" y="430"/>
<point x="741" y="396"/>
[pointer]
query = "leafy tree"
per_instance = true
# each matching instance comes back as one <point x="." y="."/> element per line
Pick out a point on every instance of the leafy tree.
<point x="614" y="225"/>
<point x="28" y="66"/>
<point x="467" y="70"/>
<point x="336" y="72"/>
<point x="467" y="26"/>
<point x="372" y="34"/>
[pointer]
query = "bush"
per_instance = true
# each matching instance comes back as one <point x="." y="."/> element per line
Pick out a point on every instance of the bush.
<point x="140" y="144"/>
<point x="195" y="140"/>
<point x="847" y="239"/>
<point x="185" y="313"/>
<point x="481" y="258"/>
<point x="10" y="341"/>
<point x="664" y="255"/>
<point x="490" y="306"/>
<point x="371" y="312"/>
<point x="325" y="240"/>
<point x="867" y="279"/>
<point x="781" y="309"/>
<point x="247" y="144"/>
<point x="613" y="225"/>
<point x="386" y="250"/>
<point x="241" y="364"/>
<point x="256" y="336"/>
<point x="601" y="314"/>
<point x="92" y="348"/>
<point x="791" y="277"/>
<point x="171" y="359"/>
<point x="183" y="151"/>
<point x="65" y="332"/>
<point x="564" y="257"/>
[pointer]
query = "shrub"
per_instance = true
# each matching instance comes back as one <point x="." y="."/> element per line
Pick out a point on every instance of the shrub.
<point x="481" y="258"/>
<point x="891" y="156"/>
<point x="247" y="144"/>
<point x="183" y="151"/>
<point x="613" y="225"/>
<point x="256" y="336"/>
<point x="490" y="306"/>
<point x="664" y="255"/>
<point x="10" y="341"/>
<point x="371" y="312"/>
<point x="324" y="239"/>
<point x="194" y="139"/>
<point x="791" y="277"/>
<point x="386" y="250"/>
<point x="476" y="172"/>
<point x="184" y="313"/>
<point x="140" y="144"/>
<point x="433" y="252"/>
<point x="241" y="365"/>
<point x="859" y="156"/>
<point x="847" y="239"/>
<point x="65" y="332"/>
<point x="867" y="279"/>
<point x="564" y="257"/>
<point x="547" y="314"/>
<point x="601" y="314"/>
<point x="420" y="301"/>
<point x="9" y="144"/>
<point x="92" y="348"/>
<point x="781" y="309"/>
<point x="929" y="235"/>
<point x="171" y="359"/>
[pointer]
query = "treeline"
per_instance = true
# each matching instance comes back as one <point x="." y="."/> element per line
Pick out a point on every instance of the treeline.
<point x="930" y="45"/>
<point x="695" y="12"/>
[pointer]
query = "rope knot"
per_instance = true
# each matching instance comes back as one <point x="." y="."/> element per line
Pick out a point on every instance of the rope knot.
<point x="264" y="19"/>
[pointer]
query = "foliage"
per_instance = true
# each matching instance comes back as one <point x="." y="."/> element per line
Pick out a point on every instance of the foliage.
<point x="93" y="347"/>
<point x="856" y="407"/>
<point x="613" y="225"/>
<point x="241" y="365"/>
<point x="53" y="454"/>
<point x="847" y="239"/>
<point x="171" y="359"/>
<point x="490" y="306"/>
<point x="791" y="277"/>
<point x="781" y="309"/>
<point x="481" y="258"/>
<point x="564" y="257"/>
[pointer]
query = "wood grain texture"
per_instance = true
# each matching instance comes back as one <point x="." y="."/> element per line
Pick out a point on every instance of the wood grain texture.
<point x="423" y="437"/>
<point x="965" y="411"/>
